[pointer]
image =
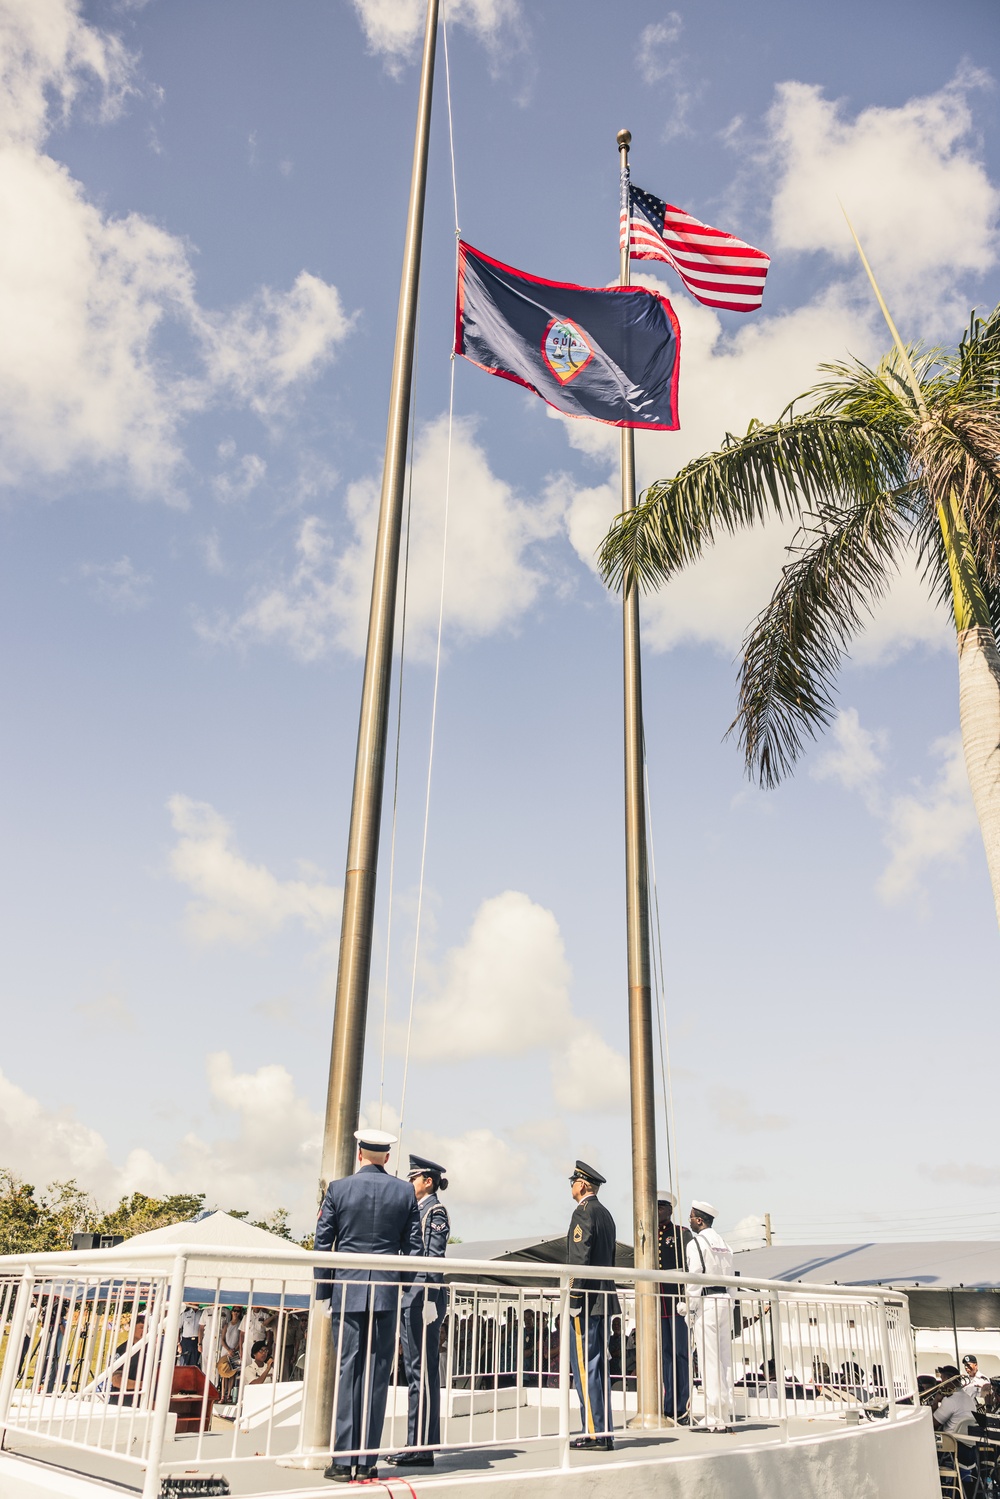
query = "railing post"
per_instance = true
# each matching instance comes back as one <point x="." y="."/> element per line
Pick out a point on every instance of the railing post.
<point x="888" y="1373"/>
<point x="14" y="1337"/>
<point x="778" y="1353"/>
<point x="564" y="1370"/>
<point x="164" y="1379"/>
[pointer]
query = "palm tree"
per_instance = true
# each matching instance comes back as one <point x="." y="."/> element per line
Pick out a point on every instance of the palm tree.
<point x="875" y="463"/>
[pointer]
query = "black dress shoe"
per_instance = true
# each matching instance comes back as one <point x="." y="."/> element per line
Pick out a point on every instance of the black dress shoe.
<point x="339" y="1472"/>
<point x="411" y="1459"/>
<point x="606" y="1444"/>
<point x="587" y="1444"/>
<point x="366" y="1475"/>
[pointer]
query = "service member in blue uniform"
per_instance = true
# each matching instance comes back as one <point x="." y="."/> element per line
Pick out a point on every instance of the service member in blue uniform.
<point x="424" y="1307"/>
<point x="370" y="1212"/>
<point x="591" y="1241"/>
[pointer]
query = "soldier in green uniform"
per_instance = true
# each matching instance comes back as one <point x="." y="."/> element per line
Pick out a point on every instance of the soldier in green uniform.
<point x="591" y="1241"/>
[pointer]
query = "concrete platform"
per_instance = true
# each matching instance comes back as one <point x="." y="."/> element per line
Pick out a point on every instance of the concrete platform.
<point x="812" y="1459"/>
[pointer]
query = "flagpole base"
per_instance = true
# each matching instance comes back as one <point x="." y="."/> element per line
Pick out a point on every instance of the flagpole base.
<point x="649" y="1421"/>
<point x="309" y="1461"/>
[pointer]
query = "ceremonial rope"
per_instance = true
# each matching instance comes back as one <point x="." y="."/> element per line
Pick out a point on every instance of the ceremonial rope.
<point x="440" y="626"/>
<point x="399" y="724"/>
<point x="673" y="1170"/>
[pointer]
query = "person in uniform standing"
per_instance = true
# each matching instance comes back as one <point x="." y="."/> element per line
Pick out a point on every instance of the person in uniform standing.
<point x="709" y="1254"/>
<point x="673" y="1243"/>
<point x="591" y="1241"/>
<point x="424" y="1306"/>
<point x="370" y="1212"/>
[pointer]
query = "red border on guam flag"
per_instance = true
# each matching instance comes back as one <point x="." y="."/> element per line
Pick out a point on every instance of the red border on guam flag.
<point x="465" y="249"/>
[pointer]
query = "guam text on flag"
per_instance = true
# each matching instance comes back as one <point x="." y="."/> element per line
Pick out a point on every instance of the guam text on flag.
<point x="610" y="354"/>
<point x="717" y="268"/>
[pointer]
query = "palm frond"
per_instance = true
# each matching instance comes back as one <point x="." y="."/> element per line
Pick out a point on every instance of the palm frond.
<point x="793" y="650"/>
<point x="797" y="464"/>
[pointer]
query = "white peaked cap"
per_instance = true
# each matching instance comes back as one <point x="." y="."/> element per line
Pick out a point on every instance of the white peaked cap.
<point x="374" y="1139"/>
<point x="662" y="1195"/>
<point x="705" y="1208"/>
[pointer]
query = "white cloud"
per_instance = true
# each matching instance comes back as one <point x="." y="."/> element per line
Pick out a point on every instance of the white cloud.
<point x="736" y="1112"/>
<point x="241" y="477"/>
<point x="269" y="1159"/>
<point x="955" y="1175"/>
<point x="881" y="163"/>
<point x="854" y="760"/>
<point x="237" y="901"/>
<point x="394" y="27"/>
<point x="477" y="1161"/>
<point x="505" y="991"/>
<point x="84" y="297"/>
<point x="655" y="39"/>
<point x="588" y="1075"/>
<point x="324" y="601"/>
<point x="119" y="584"/>
<point x="659" y="62"/>
<point x="748" y="1233"/>
<point x="929" y="826"/>
<point x="49" y="56"/>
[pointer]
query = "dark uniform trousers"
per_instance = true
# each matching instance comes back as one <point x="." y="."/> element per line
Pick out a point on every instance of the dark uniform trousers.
<point x="588" y="1353"/>
<point x="674" y="1341"/>
<point x="367" y="1213"/>
<point x="364" y="1343"/>
<point x="422" y="1345"/>
<point x="591" y="1241"/>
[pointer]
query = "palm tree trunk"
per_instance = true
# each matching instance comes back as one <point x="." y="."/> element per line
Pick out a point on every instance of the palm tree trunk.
<point x="979" y="713"/>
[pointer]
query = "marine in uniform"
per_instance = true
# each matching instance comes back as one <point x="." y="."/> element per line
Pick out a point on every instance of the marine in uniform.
<point x="712" y="1306"/>
<point x="673" y="1242"/>
<point x="424" y="1307"/>
<point x="591" y="1241"/>
<point x="370" y="1212"/>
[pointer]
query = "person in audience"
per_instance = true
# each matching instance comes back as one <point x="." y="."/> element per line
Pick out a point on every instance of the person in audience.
<point x="261" y="1365"/>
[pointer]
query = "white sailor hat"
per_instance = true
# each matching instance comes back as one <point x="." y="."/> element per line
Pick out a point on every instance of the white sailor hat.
<point x="662" y="1195"/>
<point x="704" y="1208"/>
<point x="374" y="1139"/>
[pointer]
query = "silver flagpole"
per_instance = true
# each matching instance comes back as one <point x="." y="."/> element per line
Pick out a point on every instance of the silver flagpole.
<point x="343" y="1099"/>
<point x="649" y="1390"/>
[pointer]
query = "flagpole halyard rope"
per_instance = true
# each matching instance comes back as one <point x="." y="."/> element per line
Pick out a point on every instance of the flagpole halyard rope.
<point x="399" y="730"/>
<point x="440" y="624"/>
<point x="430" y="761"/>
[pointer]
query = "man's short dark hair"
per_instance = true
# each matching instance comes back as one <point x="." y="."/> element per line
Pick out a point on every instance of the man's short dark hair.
<point x="706" y="1218"/>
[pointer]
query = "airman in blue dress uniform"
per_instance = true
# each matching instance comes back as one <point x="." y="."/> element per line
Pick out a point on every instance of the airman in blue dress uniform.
<point x="591" y="1241"/>
<point x="370" y="1212"/>
<point x="424" y="1306"/>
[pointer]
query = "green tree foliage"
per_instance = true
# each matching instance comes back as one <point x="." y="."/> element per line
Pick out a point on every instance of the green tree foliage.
<point x="33" y="1219"/>
<point x="139" y="1213"/>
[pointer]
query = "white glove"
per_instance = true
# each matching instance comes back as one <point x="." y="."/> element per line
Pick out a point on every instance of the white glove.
<point x="325" y="1307"/>
<point x="430" y="1312"/>
<point x="682" y="1308"/>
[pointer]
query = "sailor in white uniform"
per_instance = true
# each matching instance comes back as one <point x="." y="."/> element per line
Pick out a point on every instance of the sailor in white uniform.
<point x="712" y="1315"/>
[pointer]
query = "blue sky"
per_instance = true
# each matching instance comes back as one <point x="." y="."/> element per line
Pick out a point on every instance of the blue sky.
<point x="205" y="209"/>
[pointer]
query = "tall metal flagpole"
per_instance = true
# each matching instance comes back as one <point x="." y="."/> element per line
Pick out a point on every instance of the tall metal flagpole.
<point x="343" y="1099"/>
<point x="640" y="1021"/>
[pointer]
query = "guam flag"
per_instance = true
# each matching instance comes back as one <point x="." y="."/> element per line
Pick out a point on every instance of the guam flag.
<point x="611" y="354"/>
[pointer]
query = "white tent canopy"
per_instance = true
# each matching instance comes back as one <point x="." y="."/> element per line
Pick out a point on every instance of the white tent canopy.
<point x="232" y="1277"/>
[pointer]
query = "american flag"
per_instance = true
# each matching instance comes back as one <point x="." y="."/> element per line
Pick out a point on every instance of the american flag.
<point x="717" y="268"/>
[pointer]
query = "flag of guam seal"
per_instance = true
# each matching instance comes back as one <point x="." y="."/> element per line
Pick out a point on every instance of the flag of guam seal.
<point x="565" y="350"/>
<point x="607" y="353"/>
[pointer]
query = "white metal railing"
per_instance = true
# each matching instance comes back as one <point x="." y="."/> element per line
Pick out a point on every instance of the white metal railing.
<point x="89" y="1350"/>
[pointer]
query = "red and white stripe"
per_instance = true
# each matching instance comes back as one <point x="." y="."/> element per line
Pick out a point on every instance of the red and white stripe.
<point x="717" y="268"/>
